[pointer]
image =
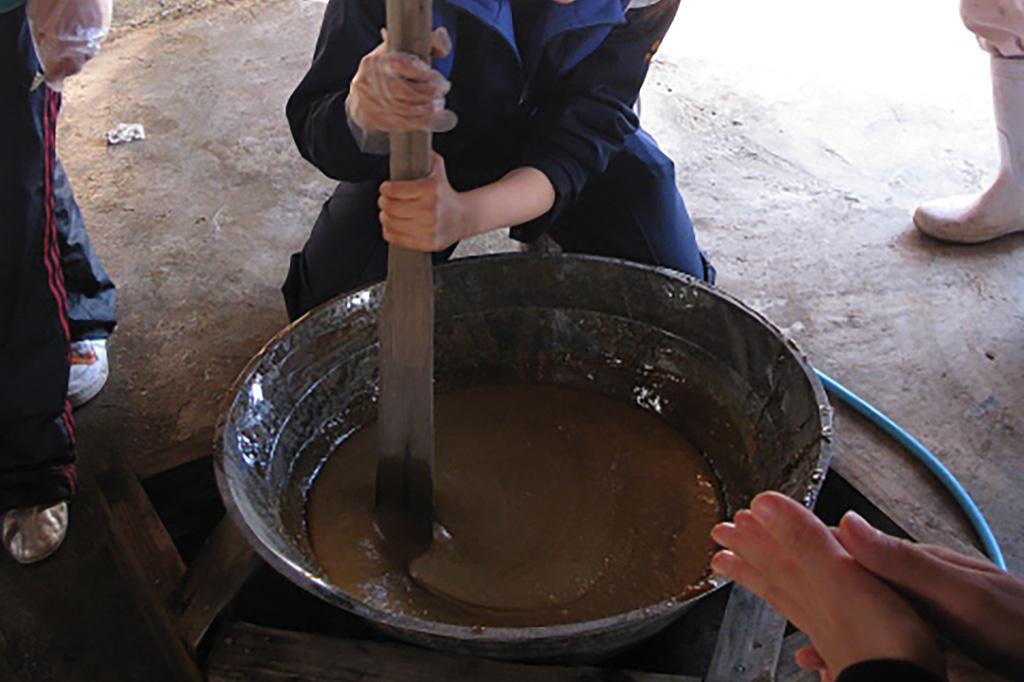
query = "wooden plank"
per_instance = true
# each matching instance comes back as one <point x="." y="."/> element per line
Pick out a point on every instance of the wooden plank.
<point x="174" y="658"/>
<point x="749" y="641"/>
<point x="838" y="496"/>
<point x="900" y="487"/>
<point x="406" y="411"/>
<point x="214" y="578"/>
<point x="257" y="654"/>
<point x="141" y="532"/>
<point x="192" y="448"/>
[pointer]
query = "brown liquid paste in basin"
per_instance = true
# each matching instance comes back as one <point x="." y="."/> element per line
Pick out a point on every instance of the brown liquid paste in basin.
<point x="557" y="506"/>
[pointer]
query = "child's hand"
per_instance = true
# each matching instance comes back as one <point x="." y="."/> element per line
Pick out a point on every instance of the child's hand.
<point x="400" y="92"/>
<point x="781" y="552"/>
<point x="970" y="601"/>
<point x="423" y="215"/>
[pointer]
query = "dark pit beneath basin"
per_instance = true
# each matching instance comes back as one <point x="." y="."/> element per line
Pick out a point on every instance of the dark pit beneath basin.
<point x="719" y="374"/>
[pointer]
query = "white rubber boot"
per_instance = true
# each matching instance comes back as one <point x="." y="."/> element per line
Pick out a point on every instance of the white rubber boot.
<point x="34" y="533"/>
<point x="999" y="210"/>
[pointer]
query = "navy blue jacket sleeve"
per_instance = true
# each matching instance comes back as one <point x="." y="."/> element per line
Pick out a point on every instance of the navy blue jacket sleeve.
<point x="316" y="110"/>
<point x="885" y="670"/>
<point x="583" y="119"/>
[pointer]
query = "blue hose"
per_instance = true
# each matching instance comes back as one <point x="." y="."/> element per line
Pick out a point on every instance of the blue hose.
<point x="919" y="451"/>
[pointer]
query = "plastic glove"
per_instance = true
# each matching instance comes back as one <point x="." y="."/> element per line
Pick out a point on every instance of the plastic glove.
<point x="67" y="34"/>
<point x="401" y="92"/>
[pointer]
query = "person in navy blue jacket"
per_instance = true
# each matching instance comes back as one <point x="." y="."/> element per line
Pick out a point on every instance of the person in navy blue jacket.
<point x="547" y="139"/>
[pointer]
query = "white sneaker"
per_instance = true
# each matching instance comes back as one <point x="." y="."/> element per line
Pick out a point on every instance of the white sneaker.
<point x="999" y="210"/>
<point x="34" y="533"/>
<point x="89" y="370"/>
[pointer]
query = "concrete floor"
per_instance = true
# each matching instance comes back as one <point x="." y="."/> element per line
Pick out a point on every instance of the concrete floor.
<point x="800" y="153"/>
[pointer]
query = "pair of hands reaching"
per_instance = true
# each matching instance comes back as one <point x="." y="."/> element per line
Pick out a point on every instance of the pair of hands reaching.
<point x="862" y="595"/>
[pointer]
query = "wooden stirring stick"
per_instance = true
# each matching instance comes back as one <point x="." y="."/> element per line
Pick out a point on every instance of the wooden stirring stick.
<point x="405" y="460"/>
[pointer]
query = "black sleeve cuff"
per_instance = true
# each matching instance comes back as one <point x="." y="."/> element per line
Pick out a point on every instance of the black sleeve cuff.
<point x="559" y="174"/>
<point x="886" y="670"/>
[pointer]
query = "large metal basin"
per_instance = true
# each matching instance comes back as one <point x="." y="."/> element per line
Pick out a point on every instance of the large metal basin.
<point x="720" y="373"/>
